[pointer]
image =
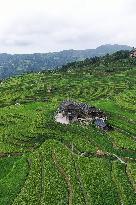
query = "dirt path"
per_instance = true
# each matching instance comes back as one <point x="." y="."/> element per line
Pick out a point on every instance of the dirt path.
<point x="66" y="177"/>
<point x="123" y="162"/>
<point x="99" y="153"/>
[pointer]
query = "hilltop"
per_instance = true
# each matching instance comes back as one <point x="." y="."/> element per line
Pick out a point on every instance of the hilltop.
<point x="11" y="65"/>
<point x="45" y="162"/>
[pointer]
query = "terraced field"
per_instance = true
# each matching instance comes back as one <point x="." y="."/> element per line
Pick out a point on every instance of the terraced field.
<point x="44" y="162"/>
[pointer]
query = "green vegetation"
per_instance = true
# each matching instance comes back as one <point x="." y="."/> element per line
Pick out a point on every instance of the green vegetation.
<point x="44" y="162"/>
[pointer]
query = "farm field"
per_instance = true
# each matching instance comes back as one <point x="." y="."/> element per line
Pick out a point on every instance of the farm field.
<point x="44" y="162"/>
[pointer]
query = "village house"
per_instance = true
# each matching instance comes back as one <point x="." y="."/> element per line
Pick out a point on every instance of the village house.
<point x="70" y="112"/>
<point x="133" y="53"/>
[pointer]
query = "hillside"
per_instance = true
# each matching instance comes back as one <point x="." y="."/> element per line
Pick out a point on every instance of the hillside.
<point x="45" y="162"/>
<point x="11" y="65"/>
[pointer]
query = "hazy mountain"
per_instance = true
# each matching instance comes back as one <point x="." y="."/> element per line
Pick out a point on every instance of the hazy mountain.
<point x="19" y="63"/>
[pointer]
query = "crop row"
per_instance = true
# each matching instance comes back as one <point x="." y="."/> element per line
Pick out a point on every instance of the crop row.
<point x="125" y="189"/>
<point x="13" y="175"/>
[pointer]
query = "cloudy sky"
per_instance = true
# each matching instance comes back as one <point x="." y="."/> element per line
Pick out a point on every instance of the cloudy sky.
<point x="32" y="26"/>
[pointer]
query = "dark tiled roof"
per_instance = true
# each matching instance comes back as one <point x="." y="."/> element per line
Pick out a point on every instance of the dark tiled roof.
<point x="80" y="109"/>
<point x="82" y="106"/>
<point x="100" y="123"/>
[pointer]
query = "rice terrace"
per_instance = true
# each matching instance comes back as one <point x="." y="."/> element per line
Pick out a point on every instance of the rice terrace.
<point x="46" y="162"/>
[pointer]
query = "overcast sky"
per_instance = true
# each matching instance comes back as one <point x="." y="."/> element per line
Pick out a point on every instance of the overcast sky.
<point x="32" y="26"/>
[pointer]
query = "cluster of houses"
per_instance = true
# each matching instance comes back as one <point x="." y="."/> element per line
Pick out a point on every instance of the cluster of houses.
<point x="70" y="112"/>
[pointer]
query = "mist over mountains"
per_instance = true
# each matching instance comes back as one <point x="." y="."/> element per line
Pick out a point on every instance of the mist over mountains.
<point x="15" y="64"/>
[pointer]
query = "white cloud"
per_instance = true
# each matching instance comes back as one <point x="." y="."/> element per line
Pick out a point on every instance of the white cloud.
<point x="28" y="26"/>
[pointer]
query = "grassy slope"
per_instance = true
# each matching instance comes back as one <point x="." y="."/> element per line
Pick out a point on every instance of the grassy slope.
<point x="41" y="161"/>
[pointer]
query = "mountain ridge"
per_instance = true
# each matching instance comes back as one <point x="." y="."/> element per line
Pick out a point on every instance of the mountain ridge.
<point x="14" y="64"/>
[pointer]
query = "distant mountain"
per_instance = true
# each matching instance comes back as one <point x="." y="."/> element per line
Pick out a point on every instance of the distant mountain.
<point x="11" y="65"/>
